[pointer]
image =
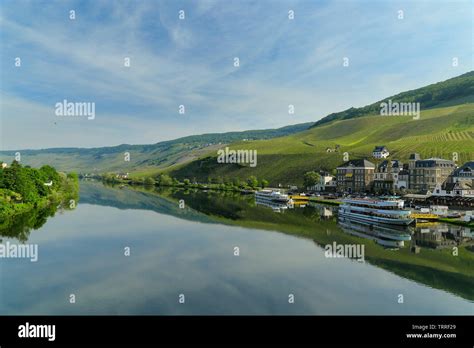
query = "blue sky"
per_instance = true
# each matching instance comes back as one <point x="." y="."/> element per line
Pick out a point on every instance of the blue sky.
<point x="190" y="62"/>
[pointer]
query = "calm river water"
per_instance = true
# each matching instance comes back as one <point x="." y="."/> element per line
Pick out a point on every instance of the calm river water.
<point x="182" y="260"/>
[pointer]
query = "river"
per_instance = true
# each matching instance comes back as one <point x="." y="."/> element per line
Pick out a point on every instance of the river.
<point x="137" y="251"/>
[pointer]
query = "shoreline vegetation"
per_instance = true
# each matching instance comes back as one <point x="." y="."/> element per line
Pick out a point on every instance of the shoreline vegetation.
<point x="249" y="186"/>
<point x="24" y="189"/>
<point x="164" y="180"/>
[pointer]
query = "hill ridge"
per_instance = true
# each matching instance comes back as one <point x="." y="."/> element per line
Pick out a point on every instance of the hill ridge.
<point x="430" y="96"/>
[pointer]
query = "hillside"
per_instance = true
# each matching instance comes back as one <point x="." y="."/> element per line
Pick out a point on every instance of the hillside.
<point x="446" y="125"/>
<point x="142" y="157"/>
<point x="438" y="133"/>
<point x="457" y="90"/>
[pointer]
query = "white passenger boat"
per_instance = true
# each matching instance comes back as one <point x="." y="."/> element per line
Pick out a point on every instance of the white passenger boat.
<point x="268" y="196"/>
<point x="385" y="211"/>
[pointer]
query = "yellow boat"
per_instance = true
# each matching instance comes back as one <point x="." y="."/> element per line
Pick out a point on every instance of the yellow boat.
<point x="299" y="198"/>
<point x="421" y="216"/>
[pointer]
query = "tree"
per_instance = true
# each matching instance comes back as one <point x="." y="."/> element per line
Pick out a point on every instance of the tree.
<point x="165" y="180"/>
<point x="186" y="182"/>
<point x="263" y="183"/>
<point x="311" y="179"/>
<point x="252" y="181"/>
<point x="50" y="174"/>
<point x="149" y="181"/>
<point x="235" y="181"/>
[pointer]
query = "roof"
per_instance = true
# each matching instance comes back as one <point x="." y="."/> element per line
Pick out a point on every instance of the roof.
<point x="432" y="162"/>
<point x="403" y="172"/>
<point x="458" y="185"/>
<point x="395" y="164"/>
<point x="467" y="167"/>
<point x="437" y="159"/>
<point x="359" y="163"/>
<point x="380" y="148"/>
<point x="415" y="156"/>
<point x="449" y="186"/>
<point x="463" y="185"/>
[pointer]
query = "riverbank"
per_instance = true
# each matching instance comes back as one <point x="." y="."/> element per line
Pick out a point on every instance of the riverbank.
<point x="457" y="222"/>
<point x="25" y="189"/>
<point x="325" y="201"/>
<point x="173" y="183"/>
<point x="441" y="219"/>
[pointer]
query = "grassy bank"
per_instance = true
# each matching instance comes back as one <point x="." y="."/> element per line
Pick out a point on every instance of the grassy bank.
<point x="325" y="201"/>
<point x="457" y="222"/>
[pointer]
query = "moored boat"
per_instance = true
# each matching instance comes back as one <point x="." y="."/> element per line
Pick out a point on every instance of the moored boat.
<point x="299" y="197"/>
<point x="385" y="211"/>
<point x="268" y="195"/>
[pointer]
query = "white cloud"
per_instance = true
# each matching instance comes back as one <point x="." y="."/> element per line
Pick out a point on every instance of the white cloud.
<point x="190" y="62"/>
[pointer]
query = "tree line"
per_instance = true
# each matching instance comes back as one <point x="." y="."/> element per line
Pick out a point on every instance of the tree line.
<point x="23" y="185"/>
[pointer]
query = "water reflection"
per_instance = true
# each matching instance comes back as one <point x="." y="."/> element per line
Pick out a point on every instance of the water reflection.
<point x="432" y="235"/>
<point x="276" y="207"/>
<point x="437" y="236"/>
<point x="387" y="236"/>
<point x="190" y="249"/>
<point x="20" y="226"/>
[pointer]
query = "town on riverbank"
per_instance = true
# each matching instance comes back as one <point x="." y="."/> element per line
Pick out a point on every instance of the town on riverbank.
<point x="434" y="188"/>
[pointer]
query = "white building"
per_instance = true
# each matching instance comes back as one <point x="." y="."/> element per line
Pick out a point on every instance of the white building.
<point x="457" y="189"/>
<point x="464" y="173"/>
<point x="326" y="182"/>
<point x="380" y="152"/>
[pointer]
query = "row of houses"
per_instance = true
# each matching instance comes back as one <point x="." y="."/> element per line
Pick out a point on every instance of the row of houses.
<point x="435" y="176"/>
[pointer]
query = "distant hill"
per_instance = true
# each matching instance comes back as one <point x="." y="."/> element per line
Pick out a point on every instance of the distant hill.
<point x="454" y="91"/>
<point x="438" y="133"/>
<point x="446" y="125"/>
<point x="153" y="156"/>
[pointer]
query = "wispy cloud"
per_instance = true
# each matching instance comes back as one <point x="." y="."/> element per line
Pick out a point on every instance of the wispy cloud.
<point x="190" y="62"/>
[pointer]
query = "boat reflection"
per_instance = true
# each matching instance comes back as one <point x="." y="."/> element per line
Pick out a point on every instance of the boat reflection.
<point x="428" y="235"/>
<point x="276" y="207"/>
<point x="388" y="236"/>
<point x="279" y="207"/>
